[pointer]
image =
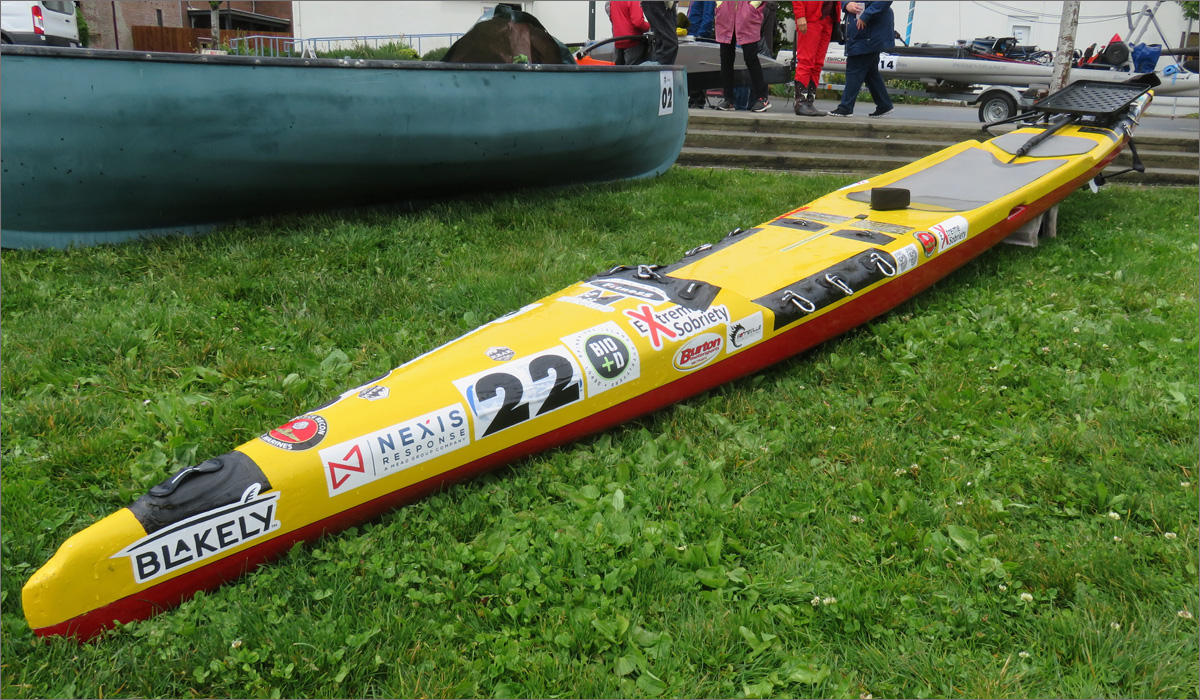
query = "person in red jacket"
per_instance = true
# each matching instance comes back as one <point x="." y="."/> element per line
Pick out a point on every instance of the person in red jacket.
<point x="814" y="26"/>
<point x="627" y="19"/>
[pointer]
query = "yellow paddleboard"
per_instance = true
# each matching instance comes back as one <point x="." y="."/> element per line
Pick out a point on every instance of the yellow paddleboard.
<point x="590" y="356"/>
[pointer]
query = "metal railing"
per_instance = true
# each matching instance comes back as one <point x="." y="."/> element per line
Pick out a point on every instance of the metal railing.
<point x="276" y="46"/>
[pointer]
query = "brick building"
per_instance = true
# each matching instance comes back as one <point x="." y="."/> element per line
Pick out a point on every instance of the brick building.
<point x="110" y="24"/>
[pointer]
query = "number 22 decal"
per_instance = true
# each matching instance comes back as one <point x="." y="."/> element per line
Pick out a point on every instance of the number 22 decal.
<point x="519" y="390"/>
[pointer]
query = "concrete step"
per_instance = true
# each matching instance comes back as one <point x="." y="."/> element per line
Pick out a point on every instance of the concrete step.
<point x="813" y="142"/>
<point x="830" y="127"/>
<point x="865" y="127"/>
<point x="810" y="162"/>
<point x="779" y="140"/>
<point x="874" y="164"/>
<point x="1155" y="157"/>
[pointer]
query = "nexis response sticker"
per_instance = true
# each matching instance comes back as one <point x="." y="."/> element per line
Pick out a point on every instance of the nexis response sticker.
<point x="354" y="463"/>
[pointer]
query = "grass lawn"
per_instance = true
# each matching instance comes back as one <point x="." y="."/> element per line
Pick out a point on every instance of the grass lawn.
<point x="989" y="492"/>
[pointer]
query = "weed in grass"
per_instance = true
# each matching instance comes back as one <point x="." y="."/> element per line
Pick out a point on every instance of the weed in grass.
<point x="919" y="508"/>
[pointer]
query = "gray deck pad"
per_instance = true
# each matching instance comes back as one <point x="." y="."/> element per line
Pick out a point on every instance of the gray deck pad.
<point x="1056" y="146"/>
<point x="967" y="180"/>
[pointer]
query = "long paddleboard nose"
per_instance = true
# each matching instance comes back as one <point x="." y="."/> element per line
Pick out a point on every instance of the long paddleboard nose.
<point x="80" y="577"/>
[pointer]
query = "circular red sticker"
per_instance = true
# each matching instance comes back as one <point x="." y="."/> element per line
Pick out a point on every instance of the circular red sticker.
<point x="298" y="433"/>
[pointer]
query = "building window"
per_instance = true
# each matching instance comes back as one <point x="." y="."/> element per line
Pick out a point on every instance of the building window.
<point x="158" y="15"/>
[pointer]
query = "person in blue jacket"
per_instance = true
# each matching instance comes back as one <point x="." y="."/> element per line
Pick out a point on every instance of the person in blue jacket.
<point x="700" y="18"/>
<point x="870" y="30"/>
<point x="700" y="22"/>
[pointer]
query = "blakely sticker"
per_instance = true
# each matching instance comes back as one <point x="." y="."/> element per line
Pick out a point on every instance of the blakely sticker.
<point x="395" y="448"/>
<point x="203" y="536"/>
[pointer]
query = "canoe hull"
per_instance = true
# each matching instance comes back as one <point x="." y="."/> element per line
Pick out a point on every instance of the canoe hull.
<point x="106" y="146"/>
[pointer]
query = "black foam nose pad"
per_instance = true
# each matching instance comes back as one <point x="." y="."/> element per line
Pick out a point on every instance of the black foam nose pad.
<point x="889" y="198"/>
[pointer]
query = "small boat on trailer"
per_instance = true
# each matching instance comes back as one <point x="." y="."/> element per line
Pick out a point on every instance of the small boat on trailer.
<point x="598" y="353"/>
<point x="107" y="146"/>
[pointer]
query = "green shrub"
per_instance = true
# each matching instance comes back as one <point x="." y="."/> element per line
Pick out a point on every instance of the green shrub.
<point x="84" y="33"/>
<point x="435" y="54"/>
<point x="389" y="51"/>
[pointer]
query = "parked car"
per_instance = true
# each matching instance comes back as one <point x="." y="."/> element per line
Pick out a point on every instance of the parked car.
<point x="39" y="23"/>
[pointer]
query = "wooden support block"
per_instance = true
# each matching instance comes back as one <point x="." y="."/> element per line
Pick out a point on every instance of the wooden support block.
<point x="1044" y="225"/>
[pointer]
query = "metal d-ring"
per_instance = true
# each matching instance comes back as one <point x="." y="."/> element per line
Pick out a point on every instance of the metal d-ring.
<point x="698" y="249"/>
<point x="884" y="266"/>
<point x="646" y="272"/>
<point x="790" y="297"/>
<point x="837" y="282"/>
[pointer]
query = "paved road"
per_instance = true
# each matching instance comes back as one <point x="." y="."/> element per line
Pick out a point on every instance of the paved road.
<point x="966" y="115"/>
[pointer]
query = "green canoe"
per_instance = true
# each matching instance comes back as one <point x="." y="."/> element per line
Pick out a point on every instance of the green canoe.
<point x="107" y="146"/>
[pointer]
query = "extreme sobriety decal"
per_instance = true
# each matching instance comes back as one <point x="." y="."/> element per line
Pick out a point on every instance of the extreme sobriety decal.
<point x="203" y="536"/>
<point x="674" y="323"/>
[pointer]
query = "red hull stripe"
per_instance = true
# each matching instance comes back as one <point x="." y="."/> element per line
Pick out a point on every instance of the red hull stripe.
<point x="171" y="593"/>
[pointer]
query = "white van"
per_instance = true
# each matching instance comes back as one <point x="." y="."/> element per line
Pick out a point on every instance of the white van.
<point x="39" y="23"/>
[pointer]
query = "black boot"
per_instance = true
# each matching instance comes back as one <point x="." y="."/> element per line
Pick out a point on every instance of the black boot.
<point x="799" y="96"/>
<point x="806" y="108"/>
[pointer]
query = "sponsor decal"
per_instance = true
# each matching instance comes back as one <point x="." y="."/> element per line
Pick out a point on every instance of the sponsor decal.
<point x="203" y="536"/>
<point x="745" y="332"/>
<point x="631" y="289"/>
<point x="500" y="353"/>
<point x="674" y="323"/>
<point x="515" y="392"/>
<point x="950" y="232"/>
<point x="906" y="258"/>
<point x="298" y="434"/>
<point x="697" y="352"/>
<point x="608" y="356"/>
<point x="374" y="393"/>
<point x="882" y="227"/>
<point x="373" y="456"/>
<point x="927" y="241"/>
<point x="594" y="299"/>
<point x="666" y="93"/>
<point x="830" y="218"/>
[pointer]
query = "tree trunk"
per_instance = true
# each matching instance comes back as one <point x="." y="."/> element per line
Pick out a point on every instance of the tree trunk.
<point x="1066" y="45"/>
<point x="214" y="18"/>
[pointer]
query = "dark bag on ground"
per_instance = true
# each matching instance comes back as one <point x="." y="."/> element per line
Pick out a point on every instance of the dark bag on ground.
<point x="510" y="36"/>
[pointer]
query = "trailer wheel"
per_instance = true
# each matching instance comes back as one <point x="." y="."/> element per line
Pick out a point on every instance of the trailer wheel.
<point x="996" y="106"/>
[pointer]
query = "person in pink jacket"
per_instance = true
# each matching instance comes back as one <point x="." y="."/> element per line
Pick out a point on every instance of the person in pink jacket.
<point x="740" y="24"/>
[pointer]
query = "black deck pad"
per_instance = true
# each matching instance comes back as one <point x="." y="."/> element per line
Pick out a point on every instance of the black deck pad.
<point x="196" y="489"/>
<point x="691" y="294"/>
<point x="802" y="224"/>
<point x="865" y="236"/>
<point x="830" y="285"/>
<point x="967" y="180"/>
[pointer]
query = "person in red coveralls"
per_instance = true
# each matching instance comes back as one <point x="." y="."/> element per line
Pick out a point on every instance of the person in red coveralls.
<point x="627" y="19"/>
<point x="815" y="21"/>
